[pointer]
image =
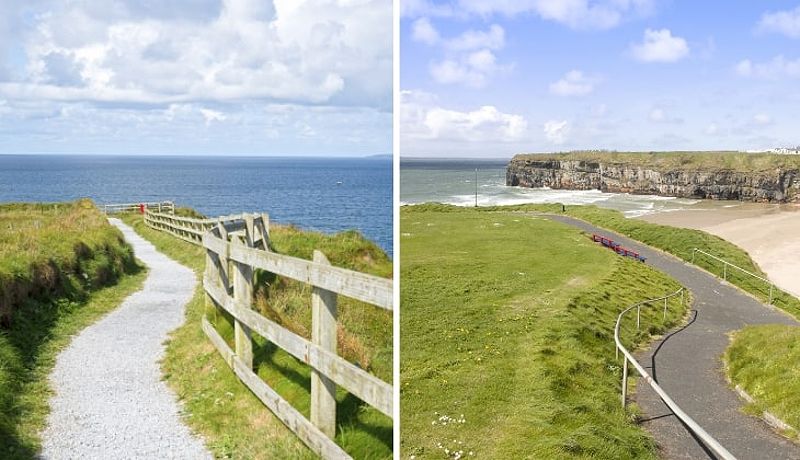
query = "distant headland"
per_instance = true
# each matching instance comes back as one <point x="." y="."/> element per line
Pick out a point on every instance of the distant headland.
<point x="722" y="175"/>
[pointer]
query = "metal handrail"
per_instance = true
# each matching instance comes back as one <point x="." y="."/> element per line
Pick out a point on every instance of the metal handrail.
<point x="683" y="416"/>
<point x="725" y="270"/>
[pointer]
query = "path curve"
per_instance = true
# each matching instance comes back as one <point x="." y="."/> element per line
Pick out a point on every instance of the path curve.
<point x="687" y="364"/>
<point x="110" y="401"/>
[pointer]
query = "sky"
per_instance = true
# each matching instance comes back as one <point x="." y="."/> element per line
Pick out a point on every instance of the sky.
<point x="494" y="78"/>
<point x="244" y="77"/>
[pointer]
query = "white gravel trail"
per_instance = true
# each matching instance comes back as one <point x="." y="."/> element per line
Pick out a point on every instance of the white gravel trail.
<point x="110" y="401"/>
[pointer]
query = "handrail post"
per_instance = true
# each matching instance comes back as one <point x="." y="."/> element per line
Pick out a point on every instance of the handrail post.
<point x="624" y="381"/>
<point x="665" y="308"/>
<point x="323" y="333"/>
<point x="638" y="315"/>
<point x="725" y="271"/>
<point x="770" y="293"/>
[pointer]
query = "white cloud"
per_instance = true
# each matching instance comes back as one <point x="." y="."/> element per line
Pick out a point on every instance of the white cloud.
<point x="658" y="115"/>
<point x="556" y="131"/>
<point x="423" y="31"/>
<point x="777" y="68"/>
<point x="744" y="68"/>
<point x="660" y="46"/>
<point x="576" y="14"/>
<point x="574" y="83"/>
<point x="712" y="129"/>
<point x="422" y="118"/>
<point x="781" y="22"/>
<point x="762" y="119"/>
<point x="469" y="57"/>
<point x="212" y="115"/>
<point x="493" y="39"/>
<point x="417" y="8"/>
<point x="473" y="69"/>
<point x="315" y="52"/>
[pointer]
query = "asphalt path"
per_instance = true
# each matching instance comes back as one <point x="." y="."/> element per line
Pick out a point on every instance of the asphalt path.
<point x="687" y="364"/>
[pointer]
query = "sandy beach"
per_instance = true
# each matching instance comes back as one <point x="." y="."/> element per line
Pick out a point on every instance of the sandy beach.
<point x="769" y="233"/>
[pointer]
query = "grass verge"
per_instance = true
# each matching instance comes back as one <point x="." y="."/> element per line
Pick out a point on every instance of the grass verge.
<point x="764" y="360"/>
<point x="71" y="267"/>
<point x="235" y="423"/>
<point x="507" y="346"/>
<point x="679" y="242"/>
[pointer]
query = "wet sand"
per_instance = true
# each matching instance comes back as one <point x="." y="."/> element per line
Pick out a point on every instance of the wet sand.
<point x="769" y="233"/>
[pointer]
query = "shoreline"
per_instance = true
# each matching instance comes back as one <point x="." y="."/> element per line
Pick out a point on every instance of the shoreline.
<point x="770" y="233"/>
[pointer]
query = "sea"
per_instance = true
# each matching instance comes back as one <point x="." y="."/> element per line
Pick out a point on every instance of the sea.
<point x="325" y="194"/>
<point x="463" y="182"/>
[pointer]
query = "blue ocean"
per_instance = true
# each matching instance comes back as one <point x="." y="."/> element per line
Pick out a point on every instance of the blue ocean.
<point x="325" y="194"/>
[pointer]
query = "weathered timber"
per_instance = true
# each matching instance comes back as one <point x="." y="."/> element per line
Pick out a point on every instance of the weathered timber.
<point x="316" y="440"/>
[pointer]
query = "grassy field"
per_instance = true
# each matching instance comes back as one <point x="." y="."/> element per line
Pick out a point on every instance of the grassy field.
<point x="764" y="360"/>
<point x="62" y="266"/>
<point x="507" y="344"/>
<point x="235" y="423"/>
<point x="713" y="161"/>
<point x="679" y="242"/>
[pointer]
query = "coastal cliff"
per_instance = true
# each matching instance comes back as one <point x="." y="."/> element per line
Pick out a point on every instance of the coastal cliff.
<point x="723" y="176"/>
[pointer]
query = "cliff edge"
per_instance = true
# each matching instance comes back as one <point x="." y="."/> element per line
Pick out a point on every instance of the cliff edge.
<point x="711" y="175"/>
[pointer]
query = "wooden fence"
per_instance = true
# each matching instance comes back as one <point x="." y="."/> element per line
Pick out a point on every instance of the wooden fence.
<point x="235" y="247"/>
<point x="191" y="229"/>
<point x="158" y="206"/>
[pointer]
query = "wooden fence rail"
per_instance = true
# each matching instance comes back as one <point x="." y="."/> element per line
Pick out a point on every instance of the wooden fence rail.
<point x="191" y="229"/>
<point x="159" y="206"/>
<point x="235" y="247"/>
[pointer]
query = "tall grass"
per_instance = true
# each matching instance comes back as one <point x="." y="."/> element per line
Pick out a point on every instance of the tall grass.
<point x="507" y="346"/>
<point x="61" y="267"/>
<point x="234" y="422"/>
<point x="62" y="249"/>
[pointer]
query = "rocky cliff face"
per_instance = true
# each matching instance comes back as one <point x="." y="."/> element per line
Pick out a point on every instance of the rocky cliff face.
<point x="779" y="185"/>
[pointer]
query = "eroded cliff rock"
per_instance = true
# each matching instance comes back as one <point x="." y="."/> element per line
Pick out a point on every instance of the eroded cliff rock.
<point x="776" y="185"/>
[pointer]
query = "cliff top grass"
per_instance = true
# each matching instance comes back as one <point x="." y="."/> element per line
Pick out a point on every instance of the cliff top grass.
<point x="507" y="347"/>
<point x="679" y="160"/>
<point x="234" y="423"/>
<point x="32" y="233"/>
<point x="57" y="248"/>
<point x="679" y="242"/>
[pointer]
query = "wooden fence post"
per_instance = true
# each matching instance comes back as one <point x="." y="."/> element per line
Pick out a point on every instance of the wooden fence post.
<point x="323" y="333"/>
<point x="243" y="295"/>
<point x="262" y="226"/>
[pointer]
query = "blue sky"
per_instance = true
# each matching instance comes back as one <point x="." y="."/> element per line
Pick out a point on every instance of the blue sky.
<point x="495" y="78"/>
<point x="260" y="77"/>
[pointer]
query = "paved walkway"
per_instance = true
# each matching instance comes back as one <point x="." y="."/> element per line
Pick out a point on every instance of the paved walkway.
<point x="110" y="401"/>
<point x="688" y="365"/>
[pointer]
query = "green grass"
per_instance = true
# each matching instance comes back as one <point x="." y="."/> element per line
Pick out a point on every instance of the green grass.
<point x="678" y="242"/>
<point x="507" y="321"/>
<point x="235" y="423"/>
<point x="71" y="268"/>
<point x="688" y="160"/>
<point x="53" y="250"/>
<point x="765" y="362"/>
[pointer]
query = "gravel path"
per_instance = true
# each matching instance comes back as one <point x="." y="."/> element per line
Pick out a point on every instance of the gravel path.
<point x="110" y="401"/>
<point x="687" y="363"/>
